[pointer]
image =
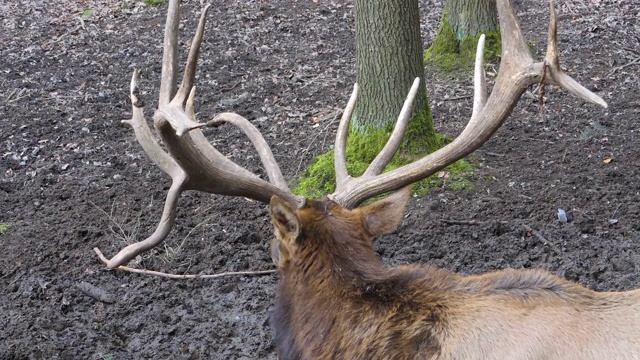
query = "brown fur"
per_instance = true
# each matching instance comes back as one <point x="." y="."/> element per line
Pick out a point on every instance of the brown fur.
<point x="336" y="300"/>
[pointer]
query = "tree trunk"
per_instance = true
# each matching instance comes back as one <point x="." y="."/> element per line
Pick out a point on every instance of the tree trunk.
<point x="463" y="21"/>
<point x="389" y="56"/>
<point x="471" y="17"/>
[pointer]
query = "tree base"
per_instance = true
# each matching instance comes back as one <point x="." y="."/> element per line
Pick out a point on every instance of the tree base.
<point x="450" y="54"/>
<point x="421" y="139"/>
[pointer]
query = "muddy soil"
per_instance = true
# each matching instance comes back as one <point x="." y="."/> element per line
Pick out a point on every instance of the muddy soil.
<point x="72" y="176"/>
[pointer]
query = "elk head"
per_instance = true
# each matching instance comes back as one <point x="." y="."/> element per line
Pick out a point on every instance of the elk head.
<point x="326" y="231"/>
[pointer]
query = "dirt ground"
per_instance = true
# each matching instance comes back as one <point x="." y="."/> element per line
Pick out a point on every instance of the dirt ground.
<point x="72" y="177"/>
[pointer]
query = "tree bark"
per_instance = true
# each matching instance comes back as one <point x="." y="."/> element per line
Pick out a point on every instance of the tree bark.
<point x="389" y="56"/>
<point x="471" y="17"/>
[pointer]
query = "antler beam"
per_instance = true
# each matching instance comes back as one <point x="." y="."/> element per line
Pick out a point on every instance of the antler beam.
<point x="517" y="72"/>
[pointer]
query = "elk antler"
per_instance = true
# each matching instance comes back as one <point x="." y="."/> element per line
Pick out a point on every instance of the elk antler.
<point x="194" y="164"/>
<point x="517" y="72"/>
<point x="191" y="161"/>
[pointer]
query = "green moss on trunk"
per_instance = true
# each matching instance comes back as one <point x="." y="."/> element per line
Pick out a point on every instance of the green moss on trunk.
<point x="463" y="21"/>
<point x="451" y="51"/>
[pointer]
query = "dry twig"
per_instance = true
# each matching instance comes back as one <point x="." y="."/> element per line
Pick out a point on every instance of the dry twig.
<point x="186" y="276"/>
<point x="461" y="222"/>
<point x="632" y="62"/>
<point x="95" y="292"/>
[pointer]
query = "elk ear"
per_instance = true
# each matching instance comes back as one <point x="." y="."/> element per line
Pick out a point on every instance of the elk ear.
<point x="385" y="215"/>
<point x="287" y="228"/>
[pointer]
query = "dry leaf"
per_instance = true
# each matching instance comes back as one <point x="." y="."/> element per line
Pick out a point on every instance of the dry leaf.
<point x="607" y="160"/>
<point x="443" y="174"/>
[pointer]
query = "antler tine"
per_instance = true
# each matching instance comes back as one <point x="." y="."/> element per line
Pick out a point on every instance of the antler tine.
<point x="172" y="111"/>
<point x="557" y="76"/>
<point x="517" y="72"/>
<point x="189" y="106"/>
<point x="382" y="160"/>
<point x="515" y="51"/>
<point x="189" y="76"/>
<point x="169" y="75"/>
<point x="340" y="148"/>
<point x="552" y="56"/>
<point x="266" y="156"/>
<point x="162" y="230"/>
<point x="165" y="162"/>
<point x="479" y="82"/>
<point x="144" y="135"/>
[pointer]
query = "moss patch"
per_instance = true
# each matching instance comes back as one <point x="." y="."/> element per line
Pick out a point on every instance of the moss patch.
<point x="448" y="53"/>
<point x="320" y="178"/>
<point x="4" y="228"/>
<point x="154" y="2"/>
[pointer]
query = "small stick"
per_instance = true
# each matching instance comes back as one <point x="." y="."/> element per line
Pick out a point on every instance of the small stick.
<point x="468" y="222"/>
<point x="460" y="222"/>
<point x="494" y="154"/>
<point x="11" y="95"/>
<point x="95" y="292"/>
<point x="632" y="62"/>
<point x="187" y="276"/>
<point x="632" y="50"/>
<point x="67" y="33"/>
<point x="458" y="98"/>
<point x="335" y="115"/>
<point x="542" y="238"/>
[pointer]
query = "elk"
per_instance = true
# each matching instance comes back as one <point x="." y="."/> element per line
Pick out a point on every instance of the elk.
<point x="336" y="300"/>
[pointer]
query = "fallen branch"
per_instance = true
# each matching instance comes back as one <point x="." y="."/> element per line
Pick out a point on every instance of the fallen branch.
<point x="95" y="292"/>
<point x="186" y="276"/>
<point x="632" y="62"/>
